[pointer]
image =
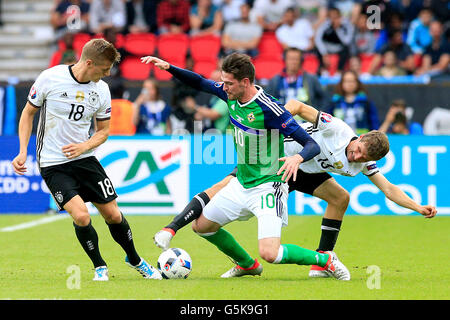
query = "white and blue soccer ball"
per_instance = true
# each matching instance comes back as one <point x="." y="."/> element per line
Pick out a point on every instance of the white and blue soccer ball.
<point x="174" y="263"/>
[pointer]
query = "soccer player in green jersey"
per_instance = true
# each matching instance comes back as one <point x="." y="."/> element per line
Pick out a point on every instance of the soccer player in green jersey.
<point x="260" y="123"/>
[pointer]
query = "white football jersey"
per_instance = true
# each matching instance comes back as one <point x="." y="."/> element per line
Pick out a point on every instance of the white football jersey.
<point x="333" y="136"/>
<point x="67" y="107"/>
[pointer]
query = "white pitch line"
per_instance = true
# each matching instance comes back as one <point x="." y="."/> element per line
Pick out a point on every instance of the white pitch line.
<point x="34" y="223"/>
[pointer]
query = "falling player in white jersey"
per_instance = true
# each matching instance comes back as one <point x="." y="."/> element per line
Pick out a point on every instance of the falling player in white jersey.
<point x="342" y="152"/>
<point x="68" y="97"/>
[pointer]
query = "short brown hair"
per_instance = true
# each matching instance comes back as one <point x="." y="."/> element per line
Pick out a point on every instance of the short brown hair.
<point x="99" y="50"/>
<point x="240" y="66"/>
<point x="377" y="144"/>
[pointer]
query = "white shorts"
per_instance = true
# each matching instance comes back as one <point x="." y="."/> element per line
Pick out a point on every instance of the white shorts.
<point x="267" y="202"/>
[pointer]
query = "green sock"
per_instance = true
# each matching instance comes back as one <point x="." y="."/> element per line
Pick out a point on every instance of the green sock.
<point x="293" y="254"/>
<point x="226" y="243"/>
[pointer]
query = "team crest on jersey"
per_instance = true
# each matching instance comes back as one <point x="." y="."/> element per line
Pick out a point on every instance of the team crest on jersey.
<point x="218" y="84"/>
<point x="325" y="117"/>
<point x="251" y="117"/>
<point x="93" y="98"/>
<point x="79" y="96"/>
<point x="338" y="165"/>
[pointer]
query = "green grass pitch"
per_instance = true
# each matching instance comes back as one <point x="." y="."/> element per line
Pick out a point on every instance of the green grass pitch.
<point x="389" y="257"/>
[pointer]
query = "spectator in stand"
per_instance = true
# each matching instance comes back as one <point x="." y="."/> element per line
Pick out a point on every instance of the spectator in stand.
<point x="334" y="36"/>
<point x="106" y="14"/>
<point x="441" y="10"/>
<point x="141" y="16"/>
<point x="205" y="18"/>
<point x="395" y="21"/>
<point x="70" y="15"/>
<point x="151" y="113"/>
<point x="242" y="36"/>
<point x="351" y="104"/>
<point x="390" y="66"/>
<point x="364" y="40"/>
<point x="172" y="16"/>
<point x="409" y="9"/>
<point x="218" y="113"/>
<point x="295" y="32"/>
<point x="354" y="64"/>
<point x="436" y="58"/>
<point x="349" y="9"/>
<point x="231" y="9"/>
<point x="65" y="53"/>
<point x="419" y="36"/>
<point x="403" y="52"/>
<point x="315" y="11"/>
<point x="269" y="13"/>
<point x="397" y="120"/>
<point x="121" y="111"/>
<point x="294" y="83"/>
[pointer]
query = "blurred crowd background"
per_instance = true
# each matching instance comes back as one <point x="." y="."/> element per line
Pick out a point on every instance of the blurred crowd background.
<point x="375" y="64"/>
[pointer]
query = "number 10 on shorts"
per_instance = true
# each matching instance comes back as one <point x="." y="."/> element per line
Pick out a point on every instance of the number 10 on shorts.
<point x="268" y="201"/>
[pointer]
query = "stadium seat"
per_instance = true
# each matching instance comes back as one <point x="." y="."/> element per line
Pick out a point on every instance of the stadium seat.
<point x="173" y="49"/>
<point x="140" y="44"/>
<point x="79" y="41"/>
<point x="133" y="69"/>
<point x="205" y="53"/>
<point x="366" y="61"/>
<point x="205" y="48"/>
<point x="267" y="68"/>
<point x="334" y="61"/>
<point x="310" y="63"/>
<point x="269" y="47"/>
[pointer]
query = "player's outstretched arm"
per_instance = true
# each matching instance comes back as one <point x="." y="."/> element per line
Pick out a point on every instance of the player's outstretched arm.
<point x="25" y="127"/>
<point x="188" y="77"/>
<point x="394" y="193"/>
<point x="297" y="108"/>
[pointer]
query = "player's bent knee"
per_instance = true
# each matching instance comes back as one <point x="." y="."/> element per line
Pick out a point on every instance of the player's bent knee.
<point x="268" y="254"/>
<point x="81" y="219"/>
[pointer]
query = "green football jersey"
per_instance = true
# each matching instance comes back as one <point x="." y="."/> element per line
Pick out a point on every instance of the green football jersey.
<point x="259" y="127"/>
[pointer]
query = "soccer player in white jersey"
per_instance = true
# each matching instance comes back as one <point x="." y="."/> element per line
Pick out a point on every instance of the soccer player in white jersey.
<point x="342" y="152"/>
<point x="68" y="97"/>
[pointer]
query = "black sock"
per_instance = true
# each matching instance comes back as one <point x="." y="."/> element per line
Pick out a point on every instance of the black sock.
<point x="121" y="233"/>
<point x="330" y="231"/>
<point x="191" y="212"/>
<point x="89" y="241"/>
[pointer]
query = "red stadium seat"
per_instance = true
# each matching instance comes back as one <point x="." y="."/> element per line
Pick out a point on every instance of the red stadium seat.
<point x="172" y="48"/>
<point x="310" y="63"/>
<point x="366" y="61"/>
<point x="269" y="47"/>
<point x="418" y="60"/>
<point x="205" y="53"/>
<point x="334" y="61"/>
<point x="140" y="44"/>
<point x="205" y="48"/>
<point x="133" y="69"/>
<point x="267" y="68"/>
<point x="79" y="41"/>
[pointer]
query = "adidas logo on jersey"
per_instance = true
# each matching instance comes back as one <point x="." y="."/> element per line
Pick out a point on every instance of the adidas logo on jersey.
<point x="64" y="95"/>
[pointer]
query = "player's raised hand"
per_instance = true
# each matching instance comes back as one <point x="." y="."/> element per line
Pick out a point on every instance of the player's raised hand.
<point x="428" y="211"/>
<point x="19" y="164"/>
<point x="161" y="64"/>
<point x="290" y="167"/>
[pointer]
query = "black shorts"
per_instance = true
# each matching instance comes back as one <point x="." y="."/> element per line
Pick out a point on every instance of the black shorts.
<point x="307" y="182"/>
<point x="85" y="177"/>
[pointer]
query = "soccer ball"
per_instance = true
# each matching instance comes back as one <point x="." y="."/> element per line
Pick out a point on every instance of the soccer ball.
<point x="174" y="263"/>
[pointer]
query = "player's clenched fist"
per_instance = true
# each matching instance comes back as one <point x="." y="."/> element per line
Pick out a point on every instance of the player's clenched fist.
<point x="161" y="64"/>
<point x="19" y="164"/>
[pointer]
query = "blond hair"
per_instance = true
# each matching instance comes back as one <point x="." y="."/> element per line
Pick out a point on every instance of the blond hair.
<point x="99" y="50"/>
<point x="377" y="144"/>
